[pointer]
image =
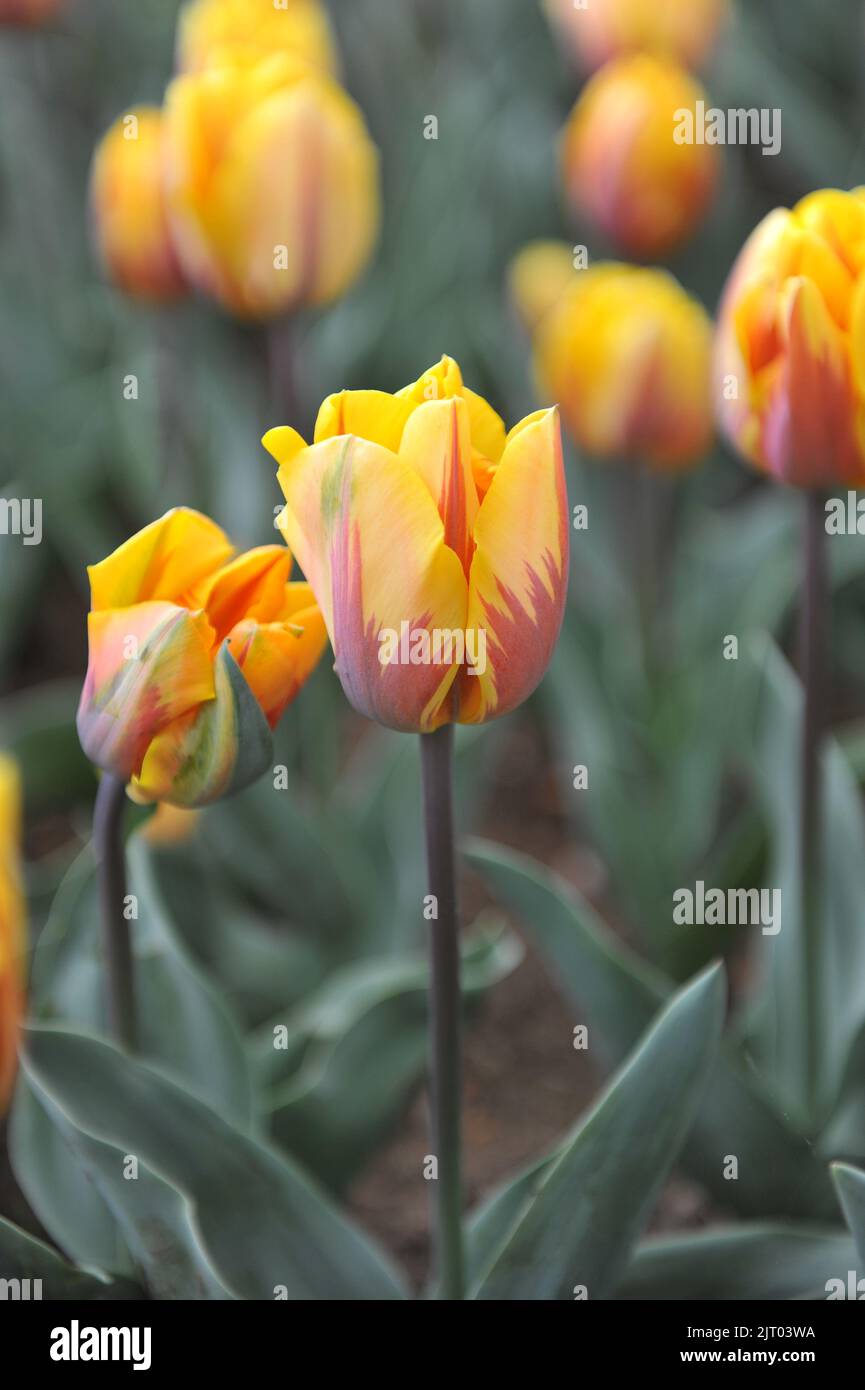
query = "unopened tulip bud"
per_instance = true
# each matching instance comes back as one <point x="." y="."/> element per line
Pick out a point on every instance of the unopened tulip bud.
<point x="626" y="353"/>
<point x="789" y="377"/>
<point x="625" y="163"/>
<point x="208" y="30"/>
<point x="272" y="186"/>
<point x="130" y="219"/>
<point x="601" y="30"/>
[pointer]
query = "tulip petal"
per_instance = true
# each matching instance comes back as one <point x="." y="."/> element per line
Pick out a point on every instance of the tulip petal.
<point x="300" y="174"/>
<point x="212" y="751"/>
<point x="162" y="562"/>
<point x="250" y="586"/>
<point x="148" y="665"/>
<point x="370" y="541"/>
<point x="518" y="579"/>
<point x="437" y="444"/>
<point x="372" y="415"/>
<point x="813" y="410"/>
<point x="443" y="382"/>
<point x="277" y="658"/>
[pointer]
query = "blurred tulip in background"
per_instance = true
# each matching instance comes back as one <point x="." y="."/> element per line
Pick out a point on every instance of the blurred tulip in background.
<point x="29" y="11"/>
<point x="606" y="29"/>
<point x="11" y="925"/>
<point x="209" y="29"/>
<point x="194" y="655"/>
<point x="624" y="350"/>
<point x="621" y="164"/>
<point x="130" y="219"/>
<point x="272" y="183"/>
<point x="790" y="379"/>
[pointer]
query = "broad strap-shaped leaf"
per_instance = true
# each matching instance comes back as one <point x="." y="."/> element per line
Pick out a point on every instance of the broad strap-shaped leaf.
<point x="750" y="1262"/>
<point x="264" y="1227"/>
<point x="616" y="995"/>
<point x="184" y="1026"/>
<point x="24" y="1258"/>
<point x="850" y="1184"/>
<point x="363" y="1043"/>
<point x="73" y="1212"/>
<point x="780" y="1031"/>
<point x="55" y="1163"/>
<point x="576" y="1224"/>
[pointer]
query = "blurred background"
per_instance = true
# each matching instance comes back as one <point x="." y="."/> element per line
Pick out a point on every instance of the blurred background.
<point x="302" y="905"/>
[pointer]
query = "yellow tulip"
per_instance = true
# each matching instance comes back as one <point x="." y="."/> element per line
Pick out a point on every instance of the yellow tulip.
<point x="685" y="30"/>
<point x="12" y="928"/>
<point x="130" y="219"/>
<point x="209" y="29"/>
<point x="28" y="11"/>
<point x="272" y="184"/>
<point x="626" y="353"/>
<point x="790" y="350"/>
<point x="436" y="545"/>
<point x="194" y="655"/>
<point x="623" y="167"/>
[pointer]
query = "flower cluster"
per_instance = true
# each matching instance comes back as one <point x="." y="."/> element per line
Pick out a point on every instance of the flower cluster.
<point x="256" y="183"/>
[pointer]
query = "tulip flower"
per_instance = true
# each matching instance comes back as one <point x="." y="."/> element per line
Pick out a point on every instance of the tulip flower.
<point x="415" y="518"/>
<point x="621" y="164"/>
<point x="129" y="214"/>
<point x="208" y="30"/>
<point x="29" y="12"/>
<point x="195" y="652"/>
<point x="436" y="545"/>
<point x="11" y="926"/>
<point x="194" y="655"/>
<point x="790" y="391"/>
<point x="624" y="350"/>
<point x="685" y="30"/>
<point x="272" y="185"/>
<point x="790" y="387"/>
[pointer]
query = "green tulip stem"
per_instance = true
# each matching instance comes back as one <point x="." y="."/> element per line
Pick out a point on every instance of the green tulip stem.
<point x="116" y="944"/>
<point x="814" y="619"/>
<point x="445" y="1063"/>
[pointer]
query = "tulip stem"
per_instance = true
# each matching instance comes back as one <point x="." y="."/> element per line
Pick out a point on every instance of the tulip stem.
<point x="116" y="944"/>
<point x="445" y="1063"/>
<point x="281" y="350"/>
<point x="812" y="666"/>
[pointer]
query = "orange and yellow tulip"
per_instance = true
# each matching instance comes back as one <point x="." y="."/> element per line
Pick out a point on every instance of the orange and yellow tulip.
<point x="208" y="30"/>
<point x="685" y="30"/>
<point x="12" y="928"/>
<point x="436" y="545"/>
<point x="272" y="184"/>
<point x="194" y="655"/>
<point x="790" y="348"/>
<point x="130" y="219"/>
<point x="28" y="11"/>
<point x="626" y="353"/>
<point x="623" y="167"/>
